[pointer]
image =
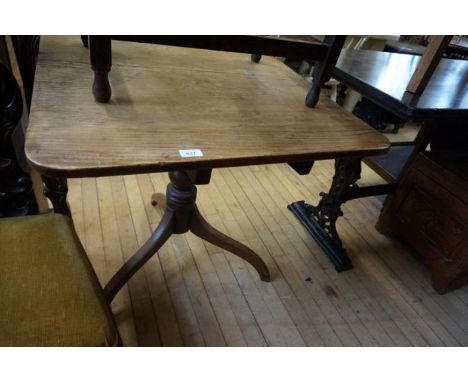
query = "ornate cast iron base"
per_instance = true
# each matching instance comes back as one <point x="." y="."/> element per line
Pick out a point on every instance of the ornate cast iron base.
<point x="181" y="215"/>
<point x="320" y="220"/>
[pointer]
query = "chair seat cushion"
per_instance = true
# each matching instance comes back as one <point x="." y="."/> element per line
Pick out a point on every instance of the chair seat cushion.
<point x="49" y="293"/>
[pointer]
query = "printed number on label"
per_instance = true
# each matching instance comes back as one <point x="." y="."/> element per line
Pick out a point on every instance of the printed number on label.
<point x="190" y="153"/>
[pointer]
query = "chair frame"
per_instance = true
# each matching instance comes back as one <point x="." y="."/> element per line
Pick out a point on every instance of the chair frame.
<point x="323" y="55"/>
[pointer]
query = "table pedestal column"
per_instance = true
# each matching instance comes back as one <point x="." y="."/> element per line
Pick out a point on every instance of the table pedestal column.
<point x="181" y="215"/>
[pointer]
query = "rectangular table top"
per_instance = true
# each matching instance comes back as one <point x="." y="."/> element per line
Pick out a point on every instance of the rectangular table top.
<point x="383" y="78"/>
<point x="166" y="99"/>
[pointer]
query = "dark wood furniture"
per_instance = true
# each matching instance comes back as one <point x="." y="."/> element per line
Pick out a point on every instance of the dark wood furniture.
<point x="457" y="48"/>
<point x="428" y="64"/>
<point x="168" y="99"/>
<point x="322" y="54"/>
<point x="383" y="77"/>
<point x="430" y="210"/>
<point x="16" y="190"/>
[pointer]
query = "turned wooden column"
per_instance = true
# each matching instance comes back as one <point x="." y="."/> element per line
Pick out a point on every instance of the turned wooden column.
<point x="56" y="189"/>
<point x="181" y="215"/>
<point x="101" y="62"/>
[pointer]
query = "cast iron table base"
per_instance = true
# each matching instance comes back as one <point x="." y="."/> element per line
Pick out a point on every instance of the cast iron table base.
<point x="320" y="220"/>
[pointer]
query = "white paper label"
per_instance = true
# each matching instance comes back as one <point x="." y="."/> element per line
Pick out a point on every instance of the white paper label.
<point x="190" y="153"/>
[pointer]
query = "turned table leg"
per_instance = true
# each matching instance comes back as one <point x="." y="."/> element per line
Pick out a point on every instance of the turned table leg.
<point x="181" y="215"/>
<point x="256" y="57"/>
<point x="56" y="190"/>
<point x="101" y="61"/>
<point x="320" y="220"/>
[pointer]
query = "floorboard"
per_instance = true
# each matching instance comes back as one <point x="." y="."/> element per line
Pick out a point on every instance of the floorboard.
<point x="195" y="294"/>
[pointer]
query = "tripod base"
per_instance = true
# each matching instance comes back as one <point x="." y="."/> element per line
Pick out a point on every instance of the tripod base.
<point x="181" y="215"/>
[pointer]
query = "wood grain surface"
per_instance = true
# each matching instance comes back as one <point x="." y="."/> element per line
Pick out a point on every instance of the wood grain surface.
<point x="167" y="99"/>
<point x="383" y="78"/>
<point x="428" y="63"/>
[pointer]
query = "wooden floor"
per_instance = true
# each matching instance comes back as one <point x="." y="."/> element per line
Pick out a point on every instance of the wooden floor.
<point x="194" y="294"/>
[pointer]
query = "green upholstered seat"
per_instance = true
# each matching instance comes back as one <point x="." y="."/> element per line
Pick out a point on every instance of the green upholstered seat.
<point x="49" y="293"/>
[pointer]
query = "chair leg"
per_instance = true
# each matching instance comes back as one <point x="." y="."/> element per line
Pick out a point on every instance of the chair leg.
<point x="101" y="62"/>
<point x="152" y="245"/>
<point x="84" y="40"/>
<point x="200" y="227"/>
<point x="313" y="95"/>
<point x="256" y="57"/>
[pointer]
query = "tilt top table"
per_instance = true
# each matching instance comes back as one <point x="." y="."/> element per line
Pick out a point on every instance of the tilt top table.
<point x="184" y="111"/>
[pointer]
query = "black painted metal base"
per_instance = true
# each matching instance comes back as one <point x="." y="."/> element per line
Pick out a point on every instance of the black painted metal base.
<point x="335" y="252"/>
<point x="320" y="220"/>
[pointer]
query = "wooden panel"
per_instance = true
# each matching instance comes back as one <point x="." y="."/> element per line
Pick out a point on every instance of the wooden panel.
<point x="428" y="64"/>
<point x="168" y="99"/>
<point x="389" y="165"/>
<point x="430" y="210"/>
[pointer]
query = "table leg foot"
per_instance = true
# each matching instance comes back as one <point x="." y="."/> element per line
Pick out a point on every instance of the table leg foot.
<point x="332" y="247"/>
<point x="101" y="62"/>
<point x="313" y="95"/>
<point x="320" y="220"/>
<point x="256" y="57"/>
<point x="200" y="227"/>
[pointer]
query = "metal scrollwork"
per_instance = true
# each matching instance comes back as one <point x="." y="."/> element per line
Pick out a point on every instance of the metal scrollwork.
<point x="326" y="213"/>
<point x="320" y="220"/>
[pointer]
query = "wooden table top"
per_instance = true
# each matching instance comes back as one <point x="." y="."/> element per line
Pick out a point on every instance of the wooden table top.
<point x="459" y="43"/>
<point x="407" y="47"/>
<point x="383" y="78"/>
<point x="166" y="99"/>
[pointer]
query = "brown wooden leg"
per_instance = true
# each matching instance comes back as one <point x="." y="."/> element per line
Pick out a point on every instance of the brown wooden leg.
<point x="152" y="245"/>
<point x="101" y="61"/>
<point x="313" y="95"/>
<point x="56" y="190"/>
<point x="256" y="57"/>
<point x="200" y="227"/>
<point x="180" y="216"/>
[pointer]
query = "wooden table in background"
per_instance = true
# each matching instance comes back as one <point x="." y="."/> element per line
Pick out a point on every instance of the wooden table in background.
<point x="383" y="77"/>
<point x="167" y="99"/>
<point x="457" y="49"/>
<point x="442" y="108"/>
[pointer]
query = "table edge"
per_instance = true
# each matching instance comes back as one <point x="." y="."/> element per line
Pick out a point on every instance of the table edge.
<point x="80" y="172"/>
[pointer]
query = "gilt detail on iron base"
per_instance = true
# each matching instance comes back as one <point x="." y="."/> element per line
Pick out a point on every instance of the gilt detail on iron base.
<point x="320" y="220"/>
